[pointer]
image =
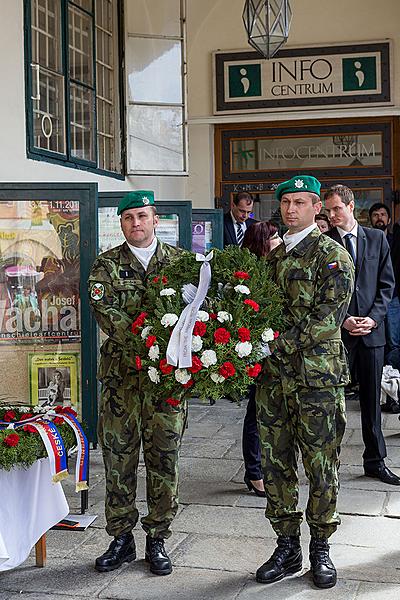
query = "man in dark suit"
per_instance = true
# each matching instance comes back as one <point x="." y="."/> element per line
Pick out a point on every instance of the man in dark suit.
<point x="238" y="219"/>
<point x="363" y="331"/>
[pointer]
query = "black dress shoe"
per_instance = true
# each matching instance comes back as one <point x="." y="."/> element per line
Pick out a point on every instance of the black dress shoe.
<point x="252" y="488"/>
<point x="160" y="563"/>
<point x="286" y="560"/>
<point x="322" y="569"/>
<point x="122" y="549"/>
<point x="390" y="406"/>
<point x="384" y="474"/>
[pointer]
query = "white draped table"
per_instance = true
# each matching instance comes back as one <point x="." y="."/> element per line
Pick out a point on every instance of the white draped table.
<point x="30" y="504"/>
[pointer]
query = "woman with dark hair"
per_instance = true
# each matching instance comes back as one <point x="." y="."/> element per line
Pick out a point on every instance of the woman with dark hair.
<point x="322" y="220"/>
<point x="260" y="238"/>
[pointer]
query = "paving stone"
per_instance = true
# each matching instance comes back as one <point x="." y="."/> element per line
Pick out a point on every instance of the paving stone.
<point x="208" y="469"/>
<point x="203" y="430"/>
<point x="357" y="502"/>
<point x="235" y="451"/>
<point x="393" y="505"/>
<point x="206" y="448"/>
<point x="192" y="491"/>
<point x="231" y="431"/>
<point x="372" y="563"/>
<point x="298" y="587"/>
<point x="378" y="591"/>
<point x="369" y="532"/>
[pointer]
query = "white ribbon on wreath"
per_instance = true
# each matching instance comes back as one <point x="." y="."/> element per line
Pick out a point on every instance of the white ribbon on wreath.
<point x="179" y="350"/>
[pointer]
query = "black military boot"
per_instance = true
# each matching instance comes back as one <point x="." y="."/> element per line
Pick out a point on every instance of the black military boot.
<point x="286" y="560"/>
<point x="322" y="568"/>
<point x="122" y="549"/>
<point x="160" y="563"/>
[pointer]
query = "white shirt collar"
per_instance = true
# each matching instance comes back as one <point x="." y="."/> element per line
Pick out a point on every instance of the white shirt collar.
<point x="144" y="254"/>
<point x="292" y="239"/>
<point x="243" y="225"/>
<point x="353" y="231"/>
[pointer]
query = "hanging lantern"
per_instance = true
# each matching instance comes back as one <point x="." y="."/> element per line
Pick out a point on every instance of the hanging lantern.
<point x="267" y="24"/>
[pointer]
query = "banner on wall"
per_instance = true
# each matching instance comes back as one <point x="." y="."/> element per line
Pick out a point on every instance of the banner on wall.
<point x="39" y="271"/>
<point x="53" y="379"/>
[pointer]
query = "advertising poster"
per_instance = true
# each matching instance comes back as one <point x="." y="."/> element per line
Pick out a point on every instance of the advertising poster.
<point x="54" y="379"/>
<point x="201" y="236"/>
<point x="39" y="271"/>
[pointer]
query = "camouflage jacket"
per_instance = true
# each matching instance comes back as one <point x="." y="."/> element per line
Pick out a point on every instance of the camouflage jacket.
<point x="317" y="280"/>
<point x="117" y="285"/>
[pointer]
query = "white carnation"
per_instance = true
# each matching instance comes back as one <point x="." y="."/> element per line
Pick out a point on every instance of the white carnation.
<point x="197" y="343"/>
<point x="208" y="358"/>
<point x="222" y="316"/>
<point x="203" y="316"/>
<point x="168" y="292"/>
<point x="243" y="349"/>
<point x="217" y="378"/>
<point x="182" y="376"/>
<point x="154" y="352"/>
<point x="267" y="335"/>
<point x="145" y="332"/>
<point x="241" y="289"/>
<point x="169" y="319"/>
<point x="153" y="374"/>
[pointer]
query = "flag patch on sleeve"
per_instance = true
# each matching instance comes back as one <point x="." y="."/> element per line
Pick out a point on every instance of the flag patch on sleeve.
<point x="333" y="265"/>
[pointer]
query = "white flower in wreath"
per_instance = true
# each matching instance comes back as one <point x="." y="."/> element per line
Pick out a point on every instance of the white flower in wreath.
<point x="153" y="374"/>
<point x="208" y="358"/>
<point x="241" y="289"/>
<point x="197" y="343"/>
<point x="182" y="376"/>
<point x="169" y="319"/>
<point x="222" y="316"/>
<point x="243" y="349"/>
<point x="203" y="316"/>
<point x="168" y="292"/>
<point x="267" y="335"/>
<point x="145" y="332"/>
<point x="154" y="352"/>
<point x="217" y="378"/>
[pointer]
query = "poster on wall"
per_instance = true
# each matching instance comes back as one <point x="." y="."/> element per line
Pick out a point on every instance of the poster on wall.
<point x="53" y="379"/>
<point x="39" y="271"/>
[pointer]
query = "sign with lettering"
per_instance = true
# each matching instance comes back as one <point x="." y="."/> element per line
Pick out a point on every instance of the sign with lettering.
<point x="345" y="75"/>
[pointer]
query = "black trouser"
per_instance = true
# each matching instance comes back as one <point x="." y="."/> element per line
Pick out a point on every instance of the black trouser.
<point x="366" y="366"/>
<point x="251" y="440"/>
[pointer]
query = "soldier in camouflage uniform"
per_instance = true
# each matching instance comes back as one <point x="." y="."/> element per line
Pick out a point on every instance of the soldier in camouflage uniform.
<point x="300" y="400"/>
<point x="128" y="414"/>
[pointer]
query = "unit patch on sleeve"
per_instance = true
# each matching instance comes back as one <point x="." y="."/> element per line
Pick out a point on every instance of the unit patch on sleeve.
<point x="97" y="291"/>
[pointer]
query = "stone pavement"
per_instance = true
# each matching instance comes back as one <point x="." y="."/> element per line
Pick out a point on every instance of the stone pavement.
<point x="221" y="535"/>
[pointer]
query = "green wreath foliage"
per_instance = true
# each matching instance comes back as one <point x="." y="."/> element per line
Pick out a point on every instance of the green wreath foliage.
<point x="221" y="296"/>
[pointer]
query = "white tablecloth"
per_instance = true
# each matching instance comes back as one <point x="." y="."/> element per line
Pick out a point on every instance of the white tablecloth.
<point x="30" y="504"/>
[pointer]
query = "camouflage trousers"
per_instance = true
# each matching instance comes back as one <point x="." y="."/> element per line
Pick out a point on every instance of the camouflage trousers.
<point x="313" y="421"/>
<point x="128" y="417"/>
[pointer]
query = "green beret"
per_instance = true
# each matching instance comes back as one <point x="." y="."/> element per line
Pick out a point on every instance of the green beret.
<point x="136" y="199"/>
<point x="300" y="183"/>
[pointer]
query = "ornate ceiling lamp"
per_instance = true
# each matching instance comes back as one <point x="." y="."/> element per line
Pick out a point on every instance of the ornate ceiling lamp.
<point x="267" y="24"/>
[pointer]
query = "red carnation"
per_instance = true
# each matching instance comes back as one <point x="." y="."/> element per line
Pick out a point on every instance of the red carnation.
<point x="30" y="429"/>
<point x="241" y="275"/>
<point x="165" y="368"/>
<point x="138" y="322"/>
<point x="173" y="401"/>
<point x="244" y="334"/>
<point x="164" y="279"/>
<point x="222" y="336"/>
<point x="197" y="365"/>
<point x="11" y="440"/>
<point x="58" y="421"/>
<point x="200" y="328"/>
<point x="227" y="370"/>
<point x="276" y="334"/>
<point x="138" y="363"/>
<point x="213" y="316"/>
<point x="9" y="416"/>
<point x="188" y="384"/>
<point x="65" y="410"/>
<point x="253" y="371"/>
<point x="254" y="305"/>
<point x="150" y="341"/>
<point x="25" y="416"/>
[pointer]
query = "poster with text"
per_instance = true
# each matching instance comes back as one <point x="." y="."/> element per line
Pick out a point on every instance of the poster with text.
<point x="54" y="379"/>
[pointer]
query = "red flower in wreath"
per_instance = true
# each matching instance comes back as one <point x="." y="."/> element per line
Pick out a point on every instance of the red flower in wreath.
<point x="222" y="336"/>
<point x="253" y="371"/>
<point x="65" y="410"/>
<point x="188" y="384"/>
<point x="164" y="279"/>
<point x="252" y="304"/>
<point x="30" y="429"/>
<point x="276" y="334"/>
<point x="227" y="370"/>
<point x="200" y="328"/>
<point x="138" y="363"/>
<point x="213" y="316"/>
<point x="11" y="440"/>
<point x="156" y="279"/>
<point x="58" y="421"/>
<point x="244" y="334"/>
<point x="150" y="341"/>
<point x="25" y="416"/>
<point x="197" y="365"/>
<point x="9" y="416"/>
<point x="138" y="322"/>
<point x="241" y="275"/>
<point x="165" y="368"/>
<point x="173" y="401"/>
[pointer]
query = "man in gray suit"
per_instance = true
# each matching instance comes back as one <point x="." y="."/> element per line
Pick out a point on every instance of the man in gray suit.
<point x="363" y="331"/>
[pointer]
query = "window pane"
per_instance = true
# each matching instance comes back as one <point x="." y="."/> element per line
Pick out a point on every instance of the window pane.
<point x="86" y="4"/>
<point x="154" y="70"/>
<point x="80" y="46"/>
<point x="46" y="36"/>
<point x="48" y="111"/>
<point x="82" y="125"/>
<point x="158" y="17"/>
<point x="155" y="138"/>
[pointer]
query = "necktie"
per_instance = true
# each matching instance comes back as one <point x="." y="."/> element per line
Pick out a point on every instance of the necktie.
<point x="239" y="234"/>
<point x="349" y="246"/>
